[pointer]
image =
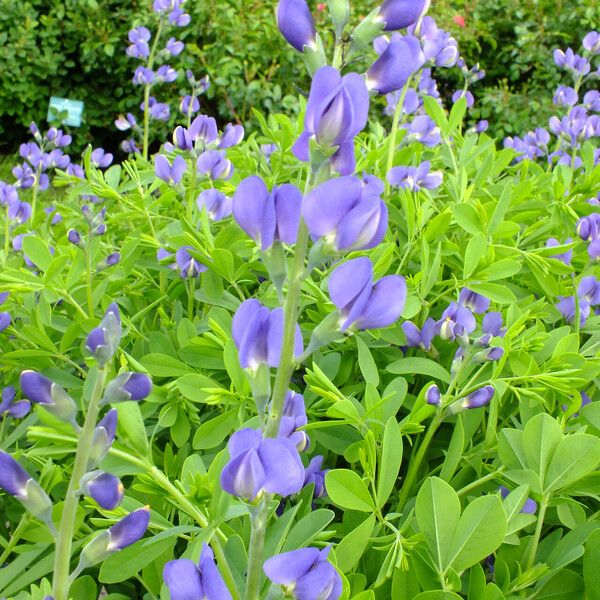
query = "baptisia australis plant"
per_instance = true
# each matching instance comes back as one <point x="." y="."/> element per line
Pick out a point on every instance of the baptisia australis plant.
<point x="94" y="440"/>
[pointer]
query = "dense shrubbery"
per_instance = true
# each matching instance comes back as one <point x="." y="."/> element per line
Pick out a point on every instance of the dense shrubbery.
<point x="370" y="340"/>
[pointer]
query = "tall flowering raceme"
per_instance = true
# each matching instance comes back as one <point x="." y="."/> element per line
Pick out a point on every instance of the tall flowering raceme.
<point x="94" y="440"/>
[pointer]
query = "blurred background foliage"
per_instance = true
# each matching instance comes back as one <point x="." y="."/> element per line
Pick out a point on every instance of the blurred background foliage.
<point x="75" y="48"/>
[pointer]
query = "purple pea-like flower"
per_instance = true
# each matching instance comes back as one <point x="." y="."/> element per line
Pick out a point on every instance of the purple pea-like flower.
<point x="56" y="216"/>
<point x="5" y="320"/>
<point x="143" y="76"/>
<point x="305" y="573"/>
<point x="577" y="64"/>
<point x="315" y="474"/>
<point x="101" y="159"/>
<point x="139" y="38"/>
<point x="481" y="126"/>
<point x="565" y="257"/>
<point x="457" y="320"/>
<point x="102" y="342"/>
<point x="258" y="335"/>
<point x="189" y="105"/>
<point x="530" y="506"/>
<point x="127" y="386"/>
<point x="591" y="42"/>
<point x="166" y="73"/>
<point x="217" y="204"/>
<point x="416" y="338"/>
<point x="433" y="395"/>
<point x="40" y="390"/>
<point x="397" y="63"/>
<point x="492" y="325"/>
<point x="8" y="406"/>
<point x="232" y="135"/>
<point x="111" y="260"/>
<point x="260" y="464"/>
<point x="458" y="94"/>
<point x="294" y="417"/>
<point x="19" y="211"/>
<point x="203" y="128"/>
<point x="171" y="174"/>
<point x="296" y="24"/>
<point x="439" y="47"/>
<point x="398" y="14"/>
<point x="8" y="194"/>
<point x="174" y="47"/>
<point x="267" y="217"/>
<point x="179" y="18"/>
<point x="336" y="112"/>
<point x="125" y="122"/>
<point x="24" y="175"/>
<point x="415" y="178"/>
<point x="476" y="302"/>
<point x="347" y="213"/>
<point x="591" y="100"/>
<point x="424" y="130"/>
<point x="361" y="303"/>
<point x="188" y="581"/>
<point x="188" y="266"/>
<point x="214" y="164"/>
<point x="128" y="530"/>
<point x="104" y="436"/>
<point x="106" y="489"/>
<point x="566" y="307"/>
<point x="565" y="96"/>
<point x="182" y="138"/>
<point x="479" y="398"/>
<point x="158" y="110"/>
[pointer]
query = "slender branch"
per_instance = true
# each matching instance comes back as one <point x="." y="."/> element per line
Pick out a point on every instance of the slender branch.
<point x="538" y="533"/>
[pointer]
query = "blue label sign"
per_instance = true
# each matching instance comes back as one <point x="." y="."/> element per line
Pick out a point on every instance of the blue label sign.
<point x="65" y="110"/>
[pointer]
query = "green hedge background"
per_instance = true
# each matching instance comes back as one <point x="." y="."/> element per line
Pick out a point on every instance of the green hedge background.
<point x="75" y="48"/>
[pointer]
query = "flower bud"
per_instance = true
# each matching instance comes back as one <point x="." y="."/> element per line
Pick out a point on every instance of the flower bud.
<point x="489" y="354"/>
<point x="296" y="23"/>
<point x="340" y="13"/>
<point x="397" y="14"/>
<point x="479" y="398"/>
<point x="103" y="341"/>
<point x="40" y="390"/>
<point x="432" y="395"/>
<point x="15" y="481"/>
<point x="125" y="532"/>
<point x="104" y="436"/>
<point x="127" y="386"/>
<point x="74" y="237"/>
<point x="104" y="488"/>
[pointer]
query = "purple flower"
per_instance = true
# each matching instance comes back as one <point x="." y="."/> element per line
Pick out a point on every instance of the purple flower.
<point x="40" y="390"/>
<point x="179" y="18"/>
<point x="232" y="135"/>
<point x="128" y="530"/>
<point x="128" y="386"/>
<point x="294" y="417"/>
<point x="578" y="65"/>
<point x="476" y="302"/>
<point x="267" y="217"/>
<point x="591" y="100"/>
<point x="361" y="303"/>
<point x="398" y="14"/>
<point x="432" y="395"/>
<point x="479" y="398"/>
<point x="104" y="436"/>
<point x="422" y="338"/>
<point x="530" y="505"/>
<point x="439" y="47"/>
<point x="8" y="194"/>
<point x="8" y="406"/>
<point x="56" y="216"/>
<point x="139" y="39"/>
<point x="143" y="76"/>
<point x="166" y="73"/>
<point x="565" y="257"/>
<point x="24" y="175"/>
<point x="104" y="488"/>
<point x="347" y="213"/>
<point x="296" y="23"/>
<point x="123" y="123"/>
<point x="158" y="110"/>
<point x="481" y="126"/>
<point x="214" y="165"/>
<point x="172" y="174"/>
<point x="260" y="464"/>
<point x="591" y="42"/>
<point x="336" y="112"/>
<point x="5" y="320"/>
<point x="203" y="128"/>
<point x="305" y="573"/>
<point x="315" y="474"/>
<point x="188" y="581"/>
<point x="189" y="105"/>
<point x="565" y="96"/>
<point x="102" y="341"/>
<point x="188" y="266"/>
<point x="492" y="325"/>
<point x="101" y="159"/>
<point x="415" y="178"/>
<point x="174" y="47"/>
<point x="258" y="335"/>
<point x="458" y="94"/>
<point x="111" y="260"/>
<point x="424" y="130"/>
<point x="19" y="211"/>
<point x="217" y="204"/>
<point x="457" y="320"/>
<point x="397" y="63"/>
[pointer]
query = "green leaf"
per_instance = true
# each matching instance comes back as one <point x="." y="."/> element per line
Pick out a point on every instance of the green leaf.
<point x="37" y="251"/>
<point x="421" y="366"/>
<point x="437" y="510"/>
<point x="494" y="291"/>
<point x="576" y="456"/>
<point x="391" y="459"/>
<point x="591" y="560"/>
<point x="476" y="249"/>
<point x="468" y="218"/>
<point x="565" y="585"/>
<point x="353" y="545"/>
<point x="348" y="490"/>
<point x="131" y="427"/>
<point x="437" y="595"/>
<point x="480" y="532"/>
<point x="541" y="437"/>
<point x="161" y="365"/>
<point x="303" y="532"/>
<point x="366" y="363"/>
<point x="213" y="432"/>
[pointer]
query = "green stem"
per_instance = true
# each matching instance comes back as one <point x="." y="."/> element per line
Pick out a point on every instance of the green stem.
<point x="89" y="288"/>
<point x="191" y="290"/>
<point x="538" y="533"/>
<point x="6" y="231"/>
<point x="15" y="537"/>
<point x="34" y="192"/>
<point x="415" y="464"/>
<point x="64" y="539"/>
<point x="394" y="131"/>
<point x="255" y="553"/>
